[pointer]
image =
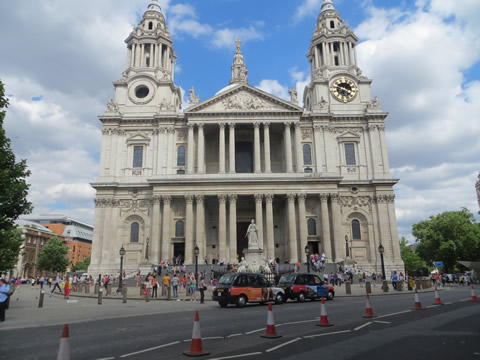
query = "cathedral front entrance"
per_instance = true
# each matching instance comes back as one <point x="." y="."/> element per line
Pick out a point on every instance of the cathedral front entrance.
<point x="242" y="240"/>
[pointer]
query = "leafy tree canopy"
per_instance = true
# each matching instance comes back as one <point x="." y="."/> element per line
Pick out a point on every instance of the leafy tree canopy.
<point x="13" y="185"/>
<point x="82" y="265"/>
<point x="448" y="237"/>
<point x="413" y="263"/>
<point x="11" y="242"/>
<point x="53" y="256"/>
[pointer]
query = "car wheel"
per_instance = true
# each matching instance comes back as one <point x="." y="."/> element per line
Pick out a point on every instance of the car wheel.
<point x="331" y="295"/>
<point x="279" y="299"/>
<point x="241" y="301"/>
<point x="223" y="303"/>
<point x="301" y="297"/>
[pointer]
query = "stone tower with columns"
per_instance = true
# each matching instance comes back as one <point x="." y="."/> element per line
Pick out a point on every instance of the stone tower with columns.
<point x="315" y="176"/>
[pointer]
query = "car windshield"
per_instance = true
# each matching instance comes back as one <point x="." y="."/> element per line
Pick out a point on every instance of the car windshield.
<point x="286" y="279"/>
<point x="226" y="279"/>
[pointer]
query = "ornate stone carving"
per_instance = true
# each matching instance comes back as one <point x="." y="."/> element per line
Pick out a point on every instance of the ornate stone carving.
<point x="266" y="125"/>
<point x="291" y="197"/>
<point x="181" y="135"/>
<point x="268" y="198"/>
<point x="200" y="125"/>
<point x="171" y="130"/>
<point x="355" y="202"/>
<point x="322" y="105"/>
<point x="156" y="200"/>
<point x="106" y="131"/>
<point x="334" y="197"/>
<point x="222" y="198"/>
<point x="191" y="126"/>
<point x="221" y="125"/>
<point x="134" y="206"/>
<point x="256" y="125"/>
<point x="258" y="198"/>
<point x="112" y="106"/>
<point x="137" y="172"/>
<point x="302" y="197"/>
<point x="247" y="101"/>
<point x="193" y="98"/>
<point x="189" y="198"/>
<point x="199" y="199"/>
<point x="166" y="106"/>
<point x="306" y="134"/>
<point x="232" y="198"/>
<point x="384" y="199"/>
<point x="323" y="197"/>
<point x="167" y="199"/>
<point x="293" y="96"/>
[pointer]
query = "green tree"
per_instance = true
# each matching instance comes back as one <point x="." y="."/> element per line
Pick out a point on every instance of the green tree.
<point x="13" y="185"/>
<point x="82" y="265"/>
<point x="53" y="256"/>
<point x="11" y="242"/>
<point x="448" y="237"/>
<point x="411" y="259"/>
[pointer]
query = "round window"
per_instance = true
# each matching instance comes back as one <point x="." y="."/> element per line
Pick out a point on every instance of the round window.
<point x="142" y="92"/>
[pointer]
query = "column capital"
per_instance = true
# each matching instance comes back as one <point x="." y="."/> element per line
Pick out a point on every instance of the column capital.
<point x="189" y="198"/>
<point x="171" y="130"/>
<point x="221" y="125"/>
<point x="266" y="124"/>
<point x="323" y="197"/>
<point x="335" y="197"/>
<point x="199" y="198"/>
<point x="256" y="125"/>
<point x="268" y="198"/>
<point x="291" y="197"/>
<point x="200" y="125"/>
<point x="157" y="199"/>
<point x="287" y="124"/>
<point x="297" y="124"/>
<point x="222" y="198"/>
<point x="190" y="126"/>
<point x="232" y="198"/>
<point x="258" y="198"/>
<point x="231" y="125"/>
<point x="301" y="197"/>
<point x="167" y="199"/>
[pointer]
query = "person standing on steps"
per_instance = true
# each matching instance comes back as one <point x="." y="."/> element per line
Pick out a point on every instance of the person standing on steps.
<point x="202" y="287"/>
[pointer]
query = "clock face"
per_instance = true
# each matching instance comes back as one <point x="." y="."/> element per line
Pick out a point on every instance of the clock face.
<point x="344" y="89"/>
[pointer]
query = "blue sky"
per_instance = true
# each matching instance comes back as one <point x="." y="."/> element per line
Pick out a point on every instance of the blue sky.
<point x="60" y="58"/>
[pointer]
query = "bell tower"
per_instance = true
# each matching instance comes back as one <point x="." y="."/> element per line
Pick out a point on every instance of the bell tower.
<point x="336" y="78"/>
<point x="147" y="84"/>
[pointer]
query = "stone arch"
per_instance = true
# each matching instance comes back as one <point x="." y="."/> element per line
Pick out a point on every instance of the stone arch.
<point x="360" y="247"/>
<point x="127" y="222"/>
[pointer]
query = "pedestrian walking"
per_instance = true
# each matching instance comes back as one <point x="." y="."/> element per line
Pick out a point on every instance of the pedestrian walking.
<point x="191" y="289"/>
<point x="175" y="282"/>
<point x="394" y="278"/>
<point x="57" y="285"/>
<point x="154" y="287"/>
<point x="4" y="294"/>
<point x="374" y="278"/>
<point x="202" y="287"/>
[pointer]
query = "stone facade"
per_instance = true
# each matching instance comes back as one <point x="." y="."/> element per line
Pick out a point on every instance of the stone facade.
<point x="171" y="180"/>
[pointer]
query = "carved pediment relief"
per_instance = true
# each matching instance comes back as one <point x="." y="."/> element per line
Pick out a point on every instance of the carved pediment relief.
<point x="349" y="136"/>
<point x="138" y="139"/>
<point x="243" y="98"/>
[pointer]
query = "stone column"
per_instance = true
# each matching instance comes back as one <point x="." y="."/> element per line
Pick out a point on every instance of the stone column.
<point x="201" y="149"/>
<point x="259" y="218"/>
<point x="298" y="148"/>
<point x="170" y="149"/>
<point x="327" y="245"/>
<point x="200" y="227"/>
<point x="156" y="219"/>
<point x="190" y="148"/>
<point x="324" y="53"/>
<point x="137" y="55"/>
<point x="129" y="57"/>
<point x="317" y="57"/>
<point x="319" y="147"/>
<point x="233" y="227"/>
<point x="221" y="152"/>
<point x="266" y="144"/>
<point x="151" y="56"/>
<point x="166" y="227"/>
<point x="288" y="148"/>
<point x="270" y="244"/>
<point x="256" y="149"/>
<point x="292" y="229"/>
<point x="222" y="226"/>
<point x="189" y="229"/>
<point x="302" y="221"/>
<point x="142" y="55"/>
<point x="231" y="149"/>
<point x="337" y="228"/>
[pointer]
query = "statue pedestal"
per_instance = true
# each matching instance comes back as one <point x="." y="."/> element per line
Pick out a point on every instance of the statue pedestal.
<point x="254" y="257"/>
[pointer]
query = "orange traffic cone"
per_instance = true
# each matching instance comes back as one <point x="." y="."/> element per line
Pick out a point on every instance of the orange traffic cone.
<point x="196" y="348"/>
<point x="474" y="298"/>
<point x="323" y="314"/>
<point x="437" y="298"/>
<point x="418" y="304"/>
<point x="64" y="349"/>
<point x="271" y="332"/>
<point x="368" y="308"/>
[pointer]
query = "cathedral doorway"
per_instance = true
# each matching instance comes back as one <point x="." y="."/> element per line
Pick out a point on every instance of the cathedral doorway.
<point x="179" y="249"/>
<point x="243" y="157"/>
<point x="242" y="240"/>
<point x="314" y="248"/>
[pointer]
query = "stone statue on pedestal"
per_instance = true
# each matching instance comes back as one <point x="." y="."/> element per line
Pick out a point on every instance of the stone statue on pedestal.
<point x="252" y="233"/>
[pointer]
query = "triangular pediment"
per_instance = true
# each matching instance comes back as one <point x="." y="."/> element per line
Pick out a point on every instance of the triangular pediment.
<point x="243" y="98"/>
<point x="348" y="136"/>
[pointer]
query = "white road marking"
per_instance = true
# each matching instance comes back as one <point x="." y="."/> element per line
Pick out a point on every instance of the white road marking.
<point x="382" y="322"/>
<point x="299" y="322"/>
<point x="209" y="338"/>
<point x="110" y="358"/>
<point x="233" y="335"/>
<point x="325" y="334"/>
<point x="448" y="303"/>
<point x="282" y="345"/>
<point x="362" y="326"/>
<point x="397" y="313"/>
<point x="431" y="306"/>
<point x="254" y="331"/>
<point x="237" y="356"/>
<point x="465" y="299"/>
<point x="150" y="349"/>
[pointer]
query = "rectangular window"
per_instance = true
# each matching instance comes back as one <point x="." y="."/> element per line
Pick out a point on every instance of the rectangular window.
<point x="138" y="156"/>
<point x="350" y="154"/>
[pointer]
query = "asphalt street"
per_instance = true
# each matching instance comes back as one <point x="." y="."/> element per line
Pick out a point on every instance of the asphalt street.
<point x="139" y="330"/>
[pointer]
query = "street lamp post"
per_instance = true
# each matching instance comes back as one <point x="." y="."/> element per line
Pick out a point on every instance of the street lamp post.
<point x="307" y="254"/>
<point x="146" y="249"/>
<point x="346" y="245"/>
<point x="381" y="250"/>
<point x="120" y="283"/>
<point x="196" y="251"/>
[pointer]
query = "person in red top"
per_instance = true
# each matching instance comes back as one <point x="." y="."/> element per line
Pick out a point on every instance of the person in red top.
<point x="68" y="285"/>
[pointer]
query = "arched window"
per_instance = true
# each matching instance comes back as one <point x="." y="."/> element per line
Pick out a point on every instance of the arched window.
<point x="181" y="156"/>
<point x="307" y="155"/>
<point x="179" y="229"/>
<point x="332" y="24"/>
<point x="150" y="25"/>
<point x="312" y="227"/>
<point x="134" y="232"/>
<point x="357" y="235"/>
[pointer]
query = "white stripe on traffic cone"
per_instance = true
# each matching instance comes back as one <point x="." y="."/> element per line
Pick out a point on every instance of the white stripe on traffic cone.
<point x="418" y="304"/>
<point x="64" y="349"/>
<point x="474" y="297"/>
<point x="196" y="348"/>
<point x="437" y="298"/>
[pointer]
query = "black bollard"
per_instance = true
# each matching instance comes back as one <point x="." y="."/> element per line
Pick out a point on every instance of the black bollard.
<point x="124" y="290"/>
<point x="95" y="291"/>
<point x="169" y="292"/>
<point x="100" y="293"/>
<point x="147" y="297"/>
<point x="40" y="300"/>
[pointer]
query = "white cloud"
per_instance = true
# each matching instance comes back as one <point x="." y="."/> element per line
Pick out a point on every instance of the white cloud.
<point x="226" y="37"/>
<point x="308" y="8"/>
<point x="275" y="88"/>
